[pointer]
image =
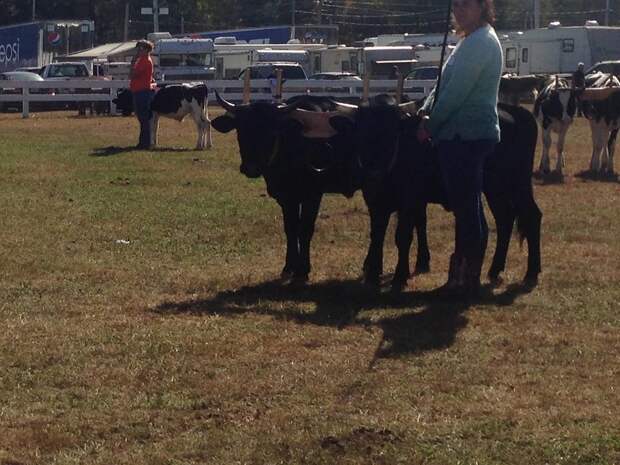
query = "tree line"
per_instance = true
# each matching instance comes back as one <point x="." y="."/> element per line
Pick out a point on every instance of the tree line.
<point x="356" y="18"/>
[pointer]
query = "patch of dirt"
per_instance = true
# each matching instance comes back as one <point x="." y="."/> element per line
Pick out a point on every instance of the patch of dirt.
<point x="361" y="439"/>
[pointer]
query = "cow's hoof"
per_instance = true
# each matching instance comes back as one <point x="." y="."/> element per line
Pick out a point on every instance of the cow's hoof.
<point x="372" y="282"/>
<point x="495" y="280"/>
<point x="299" y="280"/>
<point x="422" y="268"/>
<point x="287" y="274"/>
<point x="530" y="282"/>
<point x="398" y="286"/>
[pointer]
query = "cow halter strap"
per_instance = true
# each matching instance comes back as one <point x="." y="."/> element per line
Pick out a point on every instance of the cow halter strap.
<point x="395" y="155"/>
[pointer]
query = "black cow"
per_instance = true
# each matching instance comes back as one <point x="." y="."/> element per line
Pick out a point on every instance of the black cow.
<point x="175" y="101"/>
<point x="401" y="175"/>
<point x="601" y="106"/>
<point x="298" y="167"/>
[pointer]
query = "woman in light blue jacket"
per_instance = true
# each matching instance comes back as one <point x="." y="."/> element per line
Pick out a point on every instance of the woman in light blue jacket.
<point x="463" y="122"/>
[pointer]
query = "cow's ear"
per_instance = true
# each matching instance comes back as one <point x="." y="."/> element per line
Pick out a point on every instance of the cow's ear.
<point x="224" y="123"/>
<point x="342" y="124"/>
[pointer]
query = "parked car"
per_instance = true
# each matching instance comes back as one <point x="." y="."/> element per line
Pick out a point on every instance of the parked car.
<point x="609" y="67"/>
<point x="66" y="70"/>
<point x="268" y="71"/>
<point x="335" y="76"/>
<point x="424" y="73"/>
<point x="21" y="76"/>
<point x="31" y="69"/>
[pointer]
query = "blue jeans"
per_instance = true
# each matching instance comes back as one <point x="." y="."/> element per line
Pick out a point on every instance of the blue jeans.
<point x="142" y="107"/>
<point x="462" y="164"/>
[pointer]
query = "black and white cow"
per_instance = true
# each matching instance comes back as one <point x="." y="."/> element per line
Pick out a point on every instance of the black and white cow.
<point x="175" y="101"/>
<point x="513" y="89"/>
<point x="601" y="106"/>
<point x="555" y="108"/>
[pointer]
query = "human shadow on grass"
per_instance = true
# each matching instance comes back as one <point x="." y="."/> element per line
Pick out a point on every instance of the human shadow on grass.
<point x="113" y="150"/>
<point x="412" y="322"/>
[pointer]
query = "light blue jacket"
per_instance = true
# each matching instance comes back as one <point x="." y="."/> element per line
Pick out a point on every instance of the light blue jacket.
<point x="467" y="103"/>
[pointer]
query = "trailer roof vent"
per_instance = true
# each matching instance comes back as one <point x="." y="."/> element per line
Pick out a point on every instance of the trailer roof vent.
<point x="554" y="24"/>
<point x="591" y="22"/>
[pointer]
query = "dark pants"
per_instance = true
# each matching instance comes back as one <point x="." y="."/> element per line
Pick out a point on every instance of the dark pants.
<point x="142" y="107"/>
<point x="462" y="165"/>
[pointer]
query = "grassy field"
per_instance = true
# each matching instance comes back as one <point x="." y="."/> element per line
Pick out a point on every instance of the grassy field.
<point x="142" y="321"/>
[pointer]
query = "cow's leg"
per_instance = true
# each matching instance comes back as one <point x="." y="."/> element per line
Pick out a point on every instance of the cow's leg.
<point x="599" y="140"/>
<point x="290" y="214"/>
<point x="529" y="219"/>
<point x="546" y="145"/>
<point x="423" y="259"/>
<point x="309" y="211"/>
<point x="611" y="149"/>
<point x="404" y="236"/>
<point x="504" y="216"/>
<point x="373" y="264"/>
<point x="203" y="126"/>
<point x="560" y="147"/>
<point x="154" y="129"/>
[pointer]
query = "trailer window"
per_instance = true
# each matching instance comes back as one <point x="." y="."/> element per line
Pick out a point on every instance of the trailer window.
<point x="568" y="45"/>
<point x="511" y="57"/>
<point x="524" y="55"/>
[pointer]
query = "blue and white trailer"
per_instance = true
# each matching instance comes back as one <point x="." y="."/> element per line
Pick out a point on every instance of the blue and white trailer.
<point x="36" y="44"/>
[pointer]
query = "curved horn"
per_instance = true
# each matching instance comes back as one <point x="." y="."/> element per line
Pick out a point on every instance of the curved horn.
<point x="346" y="108"/>
<point x="409" y="107"/>
<point x="366" y="93"/>
<point x="226" y="105"/>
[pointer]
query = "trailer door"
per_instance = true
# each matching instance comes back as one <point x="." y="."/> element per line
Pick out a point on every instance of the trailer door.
<point x="545" y="57"/>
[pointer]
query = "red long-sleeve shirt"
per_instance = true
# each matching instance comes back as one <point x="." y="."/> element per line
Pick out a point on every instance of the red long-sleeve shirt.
<point x="142" y="74"/>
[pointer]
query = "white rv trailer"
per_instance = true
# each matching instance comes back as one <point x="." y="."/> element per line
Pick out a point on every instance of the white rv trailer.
<point x="558" y="49"/>
<point x="379" y="62"/>
<point x="230" y="59"/>
<point x="183" y="59"/>
<point x="337" y="58"/>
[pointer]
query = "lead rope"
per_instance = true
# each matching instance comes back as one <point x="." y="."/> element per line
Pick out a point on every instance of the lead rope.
<point x="443" y="54"/>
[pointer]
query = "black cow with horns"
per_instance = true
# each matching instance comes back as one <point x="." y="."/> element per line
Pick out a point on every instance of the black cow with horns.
<point x="401" y="175"/>
<point x="298" y="167"/>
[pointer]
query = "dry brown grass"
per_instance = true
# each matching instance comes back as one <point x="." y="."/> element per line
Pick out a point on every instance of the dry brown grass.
<point x="180" y="347"/>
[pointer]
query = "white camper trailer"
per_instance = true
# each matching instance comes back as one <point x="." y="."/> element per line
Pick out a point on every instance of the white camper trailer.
<point x="184" y="59"/>
<point x="558" y="49"/>
<point x="336" y="58"/>
<point x="379" y="62"/>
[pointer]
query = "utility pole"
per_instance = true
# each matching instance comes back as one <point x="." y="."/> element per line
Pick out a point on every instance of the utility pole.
<point x="34" y="9"/>
<point x="536" y="14"/>
<point x="607" y="13"/>
<point x="126" y="30"/>
<point x="155" y="15"/>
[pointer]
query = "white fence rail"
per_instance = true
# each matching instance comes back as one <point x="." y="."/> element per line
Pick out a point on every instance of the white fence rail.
<point x="89" y="91"/>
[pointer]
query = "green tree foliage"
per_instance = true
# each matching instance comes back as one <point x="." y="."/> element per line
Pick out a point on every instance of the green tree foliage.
<point x="356" y="18"/>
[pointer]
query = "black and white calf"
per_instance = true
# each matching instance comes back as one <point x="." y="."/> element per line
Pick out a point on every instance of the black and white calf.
<point x="601" y="105"/>
<point x="555" y="109"/>
<point x="175" y="101"/>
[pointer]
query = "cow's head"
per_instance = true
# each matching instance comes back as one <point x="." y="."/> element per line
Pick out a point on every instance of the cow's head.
<point x="124" y="102"/>
<point x="377" y="132"/>
<point x="259" y="128"/>
<point x="559" y="101"/>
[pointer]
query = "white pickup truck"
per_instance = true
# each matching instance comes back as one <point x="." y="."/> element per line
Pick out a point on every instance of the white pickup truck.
<point x="65" y="71"/>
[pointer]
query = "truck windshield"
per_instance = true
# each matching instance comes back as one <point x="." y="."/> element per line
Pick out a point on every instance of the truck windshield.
<point x="67" y="71"/>
<point x="185" y="60"/>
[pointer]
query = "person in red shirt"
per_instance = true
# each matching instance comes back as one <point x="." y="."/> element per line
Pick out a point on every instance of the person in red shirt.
<point x="141" y="86"/>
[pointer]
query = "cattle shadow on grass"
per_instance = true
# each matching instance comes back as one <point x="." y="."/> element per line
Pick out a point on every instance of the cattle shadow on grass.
<point x="588" y="175"/>
<point x="113" y="150"/>
<point x="413" y="322"/>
